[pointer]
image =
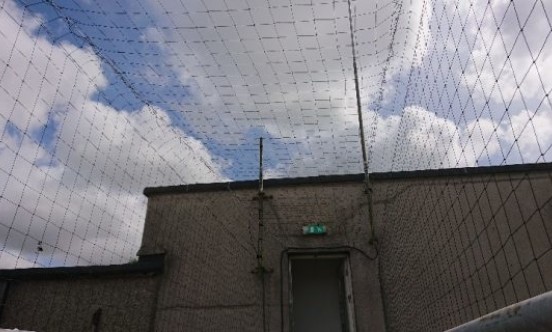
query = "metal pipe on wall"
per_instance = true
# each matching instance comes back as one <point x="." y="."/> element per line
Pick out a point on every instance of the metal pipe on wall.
<point x="4" y="287"/>
<point x="534" y="314"/>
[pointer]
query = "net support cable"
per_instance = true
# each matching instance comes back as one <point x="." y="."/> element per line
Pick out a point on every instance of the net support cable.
<point x="261" y="269"/>
<point x="367" y="183"/>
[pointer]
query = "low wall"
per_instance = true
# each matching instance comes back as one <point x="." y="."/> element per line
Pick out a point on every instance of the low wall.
<point x="92" y="298"/>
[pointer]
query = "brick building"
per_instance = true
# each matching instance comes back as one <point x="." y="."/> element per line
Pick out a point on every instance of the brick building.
<point x="452" y="245"/>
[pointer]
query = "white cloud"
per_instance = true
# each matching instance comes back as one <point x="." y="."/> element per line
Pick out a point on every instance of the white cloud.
<point x="414" y="139"/>
<point x="529" y="134"/>
<point x="417" y="139"/>
<point x="280" y="67"/>
<point x="511" y="52"/>
<point x="481" y="139"/>
<point x="75" y="198"/>
<point x="420" y="139"/>
<point x="506" y="52"/>
<point x="523" y="137"/>
<point x="39" y="75"/>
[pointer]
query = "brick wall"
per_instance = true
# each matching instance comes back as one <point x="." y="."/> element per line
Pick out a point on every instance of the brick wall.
<point x="126" y="304"/>
<point x="455" y="248"/>
<point x="211" y="240"/>
<point x="207" y="285"/>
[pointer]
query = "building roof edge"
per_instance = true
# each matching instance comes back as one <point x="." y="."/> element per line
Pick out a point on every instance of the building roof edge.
<point x="325" y="179"/>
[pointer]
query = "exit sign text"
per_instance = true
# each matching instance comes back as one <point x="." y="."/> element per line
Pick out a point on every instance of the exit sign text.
<point x="314" y="230"/>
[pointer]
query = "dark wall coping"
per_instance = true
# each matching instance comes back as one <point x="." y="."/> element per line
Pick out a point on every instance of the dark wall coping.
<point x="150" y="265"/>
<point x="325" y="179"/>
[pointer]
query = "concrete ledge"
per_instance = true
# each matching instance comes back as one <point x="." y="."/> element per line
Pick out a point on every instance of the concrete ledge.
<point x="463" y="171"/>
<point x="252" y="184"/>
<point x="326" y="179"/>
<point x="147" y="264"/>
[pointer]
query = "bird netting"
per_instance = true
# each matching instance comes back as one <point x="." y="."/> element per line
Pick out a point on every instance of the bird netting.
<point x="101" y="99"/>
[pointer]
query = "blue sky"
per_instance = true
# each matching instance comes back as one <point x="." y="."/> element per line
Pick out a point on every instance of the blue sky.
<point x="128" y="89"/>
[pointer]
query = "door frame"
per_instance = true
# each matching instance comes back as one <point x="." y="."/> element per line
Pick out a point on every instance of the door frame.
<point x="347" y="279"/>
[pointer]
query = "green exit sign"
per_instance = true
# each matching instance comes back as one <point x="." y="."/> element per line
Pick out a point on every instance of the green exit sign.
<point x="314" y="230"/>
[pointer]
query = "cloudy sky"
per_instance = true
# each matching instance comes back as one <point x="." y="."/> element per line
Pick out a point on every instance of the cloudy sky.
<point x="102" y="99"/>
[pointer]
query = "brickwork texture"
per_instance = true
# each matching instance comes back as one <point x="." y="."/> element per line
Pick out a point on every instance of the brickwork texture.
<point x="455" y="248"/>
<point x="82" y="304"/>
<point x="211" y="241"/>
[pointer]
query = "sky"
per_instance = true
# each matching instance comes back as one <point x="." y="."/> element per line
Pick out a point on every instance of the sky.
<point x="102" y="99"/>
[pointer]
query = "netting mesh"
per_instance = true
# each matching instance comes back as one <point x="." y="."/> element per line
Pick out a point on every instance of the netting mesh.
<point x="460" y="247"/>
<point x="101" y="99"/>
